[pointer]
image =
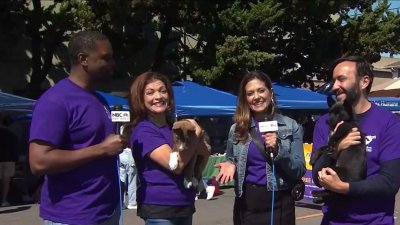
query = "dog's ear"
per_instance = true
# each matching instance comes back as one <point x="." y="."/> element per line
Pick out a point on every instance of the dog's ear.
<point x="330" y="100"/>
<point x="336" y="114"/>
<point x="177" y="125"/>
<point x="348" y="108"/>
<point x="183" y="125"/>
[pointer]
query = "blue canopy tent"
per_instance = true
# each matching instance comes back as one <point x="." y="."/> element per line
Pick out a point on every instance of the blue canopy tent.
<point x="9" y="102"/>
<point x="390" y="103"/>
<point x="192" y="99"/>
<point x="197" y="100"/>
<point x="112" y="100"/>
<point x="289" y="97"/>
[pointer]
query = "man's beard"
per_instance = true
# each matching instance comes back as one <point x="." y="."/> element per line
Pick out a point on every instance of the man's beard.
<point x="353" y="94"/>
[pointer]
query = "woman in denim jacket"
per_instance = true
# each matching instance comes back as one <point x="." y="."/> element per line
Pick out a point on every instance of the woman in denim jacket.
<point x="253" y="175"/>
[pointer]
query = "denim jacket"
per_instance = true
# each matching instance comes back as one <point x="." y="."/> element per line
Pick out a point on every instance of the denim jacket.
<point x="290" y="158"/>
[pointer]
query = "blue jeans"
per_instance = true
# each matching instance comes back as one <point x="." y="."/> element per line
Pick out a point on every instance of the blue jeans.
<point x="175" y="221"/>
<point x="127" y="173"/>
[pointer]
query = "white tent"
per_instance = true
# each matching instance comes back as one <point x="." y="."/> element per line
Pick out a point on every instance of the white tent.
<point x="388" y="85"/>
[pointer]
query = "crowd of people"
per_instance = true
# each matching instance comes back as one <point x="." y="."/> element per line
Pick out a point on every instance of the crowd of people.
<point x="76" y="148"/>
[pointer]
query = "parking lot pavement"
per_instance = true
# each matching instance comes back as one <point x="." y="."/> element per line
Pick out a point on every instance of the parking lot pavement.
<point x="217" y="211"/>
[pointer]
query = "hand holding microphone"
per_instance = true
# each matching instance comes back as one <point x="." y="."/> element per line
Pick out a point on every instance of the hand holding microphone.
<point x="114" y="143"/>
<point x="270" y="128"/>
<point x="118" y="116"/>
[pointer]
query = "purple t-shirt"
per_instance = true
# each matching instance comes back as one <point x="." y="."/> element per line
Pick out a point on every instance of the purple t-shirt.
<point x="256" y="168"/>
<point x="383" y="144"/>
<point x="157" y="185"/>
<point x="70" y="118"/>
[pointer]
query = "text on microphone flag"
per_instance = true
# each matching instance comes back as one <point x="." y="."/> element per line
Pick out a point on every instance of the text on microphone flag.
<point x="120" y="116"/>
<point x="268" y="126"/>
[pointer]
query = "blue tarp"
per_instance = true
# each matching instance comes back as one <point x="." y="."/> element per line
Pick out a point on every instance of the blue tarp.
<point x="192" y="99"/>
<point x="112" y="100"/>
<point x="291" y="98"/>
<point x="9" y="102"/>
<point x="390" y="103"/>
<point x="197" y="100"/>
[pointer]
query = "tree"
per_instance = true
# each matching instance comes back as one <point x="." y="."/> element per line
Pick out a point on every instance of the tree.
<point x="243" y="26"/>
<point x="369" y="31"/>
<point x="301" y="38"/>
<point x="45" y="27"/>
<point x="215" y="42"/>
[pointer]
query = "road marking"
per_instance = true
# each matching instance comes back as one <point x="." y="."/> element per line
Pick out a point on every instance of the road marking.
<point x="309" y="216"/>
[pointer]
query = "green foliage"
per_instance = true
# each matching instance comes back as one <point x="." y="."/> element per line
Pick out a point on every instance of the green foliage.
<point x="371" y="31"/>
<point x="245" y="28"/>
<point x="256" y="18"/>
<point x="234" y="52"/>
<point x="214" y="41"/>
<point x="81" y="14"/>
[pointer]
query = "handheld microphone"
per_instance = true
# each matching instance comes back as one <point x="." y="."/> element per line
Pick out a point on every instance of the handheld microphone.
<point x="268" y="126"/>
<point x="119" y="116"/>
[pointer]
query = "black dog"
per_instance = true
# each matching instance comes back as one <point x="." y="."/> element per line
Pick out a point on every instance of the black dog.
<point x="350" y="164"/>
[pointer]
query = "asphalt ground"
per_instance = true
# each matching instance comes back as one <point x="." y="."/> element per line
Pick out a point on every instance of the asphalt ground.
<point x="217" y="211"/>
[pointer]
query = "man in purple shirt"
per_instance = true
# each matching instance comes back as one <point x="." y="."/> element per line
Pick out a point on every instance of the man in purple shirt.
<point x="370" y="201"/>
<point x="72" y="141"/>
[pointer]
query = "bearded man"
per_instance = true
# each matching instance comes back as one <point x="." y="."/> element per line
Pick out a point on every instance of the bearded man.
<point x="369" y="201"/>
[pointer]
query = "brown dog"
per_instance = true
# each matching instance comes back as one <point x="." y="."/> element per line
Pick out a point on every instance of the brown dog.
<point x="184" y="131"/>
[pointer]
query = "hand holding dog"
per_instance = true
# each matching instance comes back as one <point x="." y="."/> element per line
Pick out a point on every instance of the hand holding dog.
<point x="188" y="139"/>
<point x="329" y="179"/>
<point x="353" y="138"/>
<point x="198" y="131"/>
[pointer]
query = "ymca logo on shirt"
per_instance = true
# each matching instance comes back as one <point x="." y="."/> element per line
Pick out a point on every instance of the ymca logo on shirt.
<point x="368" y="140"/>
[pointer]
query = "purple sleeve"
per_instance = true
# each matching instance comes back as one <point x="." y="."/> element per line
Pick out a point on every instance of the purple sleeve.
<point x="387" y="182"/>
<point x="390" y="142"/>
<point x="320" y="136"/>
<point x="49" y="122"/>
<point x="146" y="139"/>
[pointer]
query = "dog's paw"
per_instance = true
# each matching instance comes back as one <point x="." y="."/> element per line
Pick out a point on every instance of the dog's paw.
<point x="318" y="200"/>
<point x="173" y="160"/>
<point x="192" y="183"/>
<point x="187" y="184"/>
